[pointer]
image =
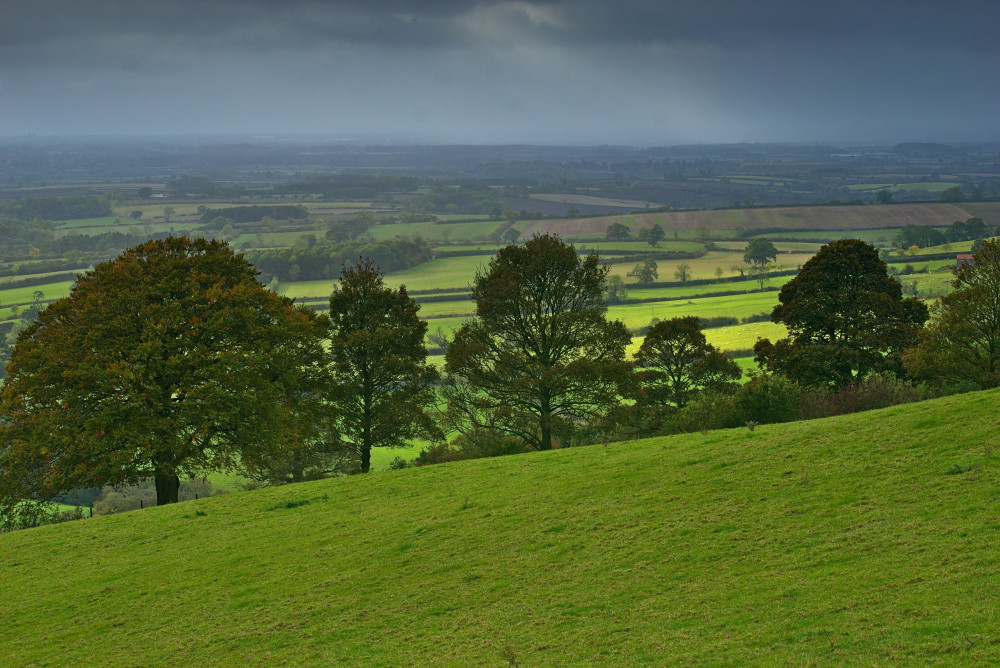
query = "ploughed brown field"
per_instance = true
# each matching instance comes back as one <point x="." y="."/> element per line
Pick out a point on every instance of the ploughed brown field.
<point x="862" y="217"/>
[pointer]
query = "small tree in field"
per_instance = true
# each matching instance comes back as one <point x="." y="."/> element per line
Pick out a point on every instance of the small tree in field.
<point x="683" y="272"/>
<point x="618" y="232"/>
<point x="169" y="360"/>
<point x="678" y="362"/>
<point x="382" y="385"/>
<point x="644" y="272"/>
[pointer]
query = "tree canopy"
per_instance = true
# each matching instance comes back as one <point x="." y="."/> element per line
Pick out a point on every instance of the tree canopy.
<point x="646" y="271"/>
<point x="678" y="362"/>
<point x="618" y="232"/>
<point x="962" y="341"/>
<point x="539" y="356"/>
<point x="168" y="360"/>
<point x="846" y="317"/>
<point x="652" y="235"/>
<point x="382" y="384"/>
<point x="759" y="252"/>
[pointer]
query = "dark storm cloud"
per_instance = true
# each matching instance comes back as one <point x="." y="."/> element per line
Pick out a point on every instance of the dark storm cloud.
<point x="442" y="23"/>
<point x="587" y="70"/>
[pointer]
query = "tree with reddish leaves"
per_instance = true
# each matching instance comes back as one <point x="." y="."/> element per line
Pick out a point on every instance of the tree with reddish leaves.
<point x="846" y="318"/>
<point x="171" y="360"/>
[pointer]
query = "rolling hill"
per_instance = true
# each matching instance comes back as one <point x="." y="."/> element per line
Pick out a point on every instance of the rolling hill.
<point x="872" y="538"/>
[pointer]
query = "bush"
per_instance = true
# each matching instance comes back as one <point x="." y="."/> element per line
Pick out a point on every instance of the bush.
<point x="766" y="399"/>
<point x="872" y="392"/>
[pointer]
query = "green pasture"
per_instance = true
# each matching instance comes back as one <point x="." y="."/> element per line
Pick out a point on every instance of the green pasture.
<point x="704" y="267"/>
<point x="437" y="231"/>
<point x="868" y="539"/>
<point x="440" y="274"/>
<point x="738" y="306"/>
<point x="24" y="295"/>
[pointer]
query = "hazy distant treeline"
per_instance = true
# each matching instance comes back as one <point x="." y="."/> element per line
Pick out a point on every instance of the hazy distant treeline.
<point x="327" y="261"/>
<point x="58" y="208"/>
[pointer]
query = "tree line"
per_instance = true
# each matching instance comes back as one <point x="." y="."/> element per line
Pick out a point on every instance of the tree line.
<point x="325" y="261"/>
<point x="173" y="360"/>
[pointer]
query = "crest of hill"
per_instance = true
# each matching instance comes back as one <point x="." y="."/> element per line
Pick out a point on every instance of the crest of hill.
<point x="866" y="538"/>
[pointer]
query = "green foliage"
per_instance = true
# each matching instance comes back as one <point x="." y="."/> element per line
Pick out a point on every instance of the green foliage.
<point x="845" y="316"/>
<point x="962" y="342"/>
<point x="618" y="232"/>
<point x="652" y="235"/>
<point x="57" y="208"/>
<point x="953" y="194"/>
<point x="644" y="272"/>
<point x="169" y="360"/>
<point x="760" y="252"/>
<point x="256" y="213"/>
<point x="678" y="363"/>
<point x="616" y="292"/>
<point x="540" y="356"/>
<point x="327" y="261"/>
<point x="382" y="385"/>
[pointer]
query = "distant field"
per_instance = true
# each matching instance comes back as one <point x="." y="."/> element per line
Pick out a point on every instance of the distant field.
<point x="24" y="295"/>
<point x="841" y="218"/>
<point x="594" y="201"/>
<point x="437" y="231"/>
<point x="704" y="267"/>
<point x="440" y="274"/>
<point x="738" y="306"/>
<point x="929" y="186"/>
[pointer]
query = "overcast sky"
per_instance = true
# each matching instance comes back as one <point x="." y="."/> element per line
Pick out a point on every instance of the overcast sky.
<point x="638" y="72"/>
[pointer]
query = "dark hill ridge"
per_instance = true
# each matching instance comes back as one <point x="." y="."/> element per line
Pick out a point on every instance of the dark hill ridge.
<point x="870" y="538"/>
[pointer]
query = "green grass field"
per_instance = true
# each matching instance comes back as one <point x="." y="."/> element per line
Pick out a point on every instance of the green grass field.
<point x="436" y="231"/>
<point x="24" y="295"/>
<point x="868" y="539"/>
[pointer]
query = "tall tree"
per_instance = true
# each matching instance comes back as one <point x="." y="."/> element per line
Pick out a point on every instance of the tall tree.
<point x="170" y="360"/>
<point x="382" y="384"/>
<point x="678" y="362"/>
<point x="846" y="317"/>
<point x="539" y="356"/>
<point x="962" y="341"/>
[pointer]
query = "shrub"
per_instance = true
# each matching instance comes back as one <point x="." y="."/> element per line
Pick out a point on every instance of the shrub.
<point x="872" y="392"/>
<point x="766" y="399"/>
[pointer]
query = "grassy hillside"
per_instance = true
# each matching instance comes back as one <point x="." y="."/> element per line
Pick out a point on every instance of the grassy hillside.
<point x="870" y="539"/>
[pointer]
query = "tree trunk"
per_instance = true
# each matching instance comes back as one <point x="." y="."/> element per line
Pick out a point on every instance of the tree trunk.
<point x="546" y="424"/>
<point x="168" y="484"/>
<point x="366" y="458"/>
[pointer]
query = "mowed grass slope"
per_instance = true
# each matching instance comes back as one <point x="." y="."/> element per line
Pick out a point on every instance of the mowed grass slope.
<point x="868" y="539"/>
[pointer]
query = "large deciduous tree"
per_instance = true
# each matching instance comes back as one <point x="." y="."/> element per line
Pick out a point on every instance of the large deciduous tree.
<point x="678" y="362"/>
<point x="962" y="341"/>
<point x="846" y="318"/>
<point x="540" y="357"/>
<point x="382" y="384"/>
<point x="170" y="360"/>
